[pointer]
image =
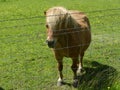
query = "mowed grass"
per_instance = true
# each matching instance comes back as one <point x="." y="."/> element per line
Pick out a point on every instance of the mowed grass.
<point x="26" y="63"/>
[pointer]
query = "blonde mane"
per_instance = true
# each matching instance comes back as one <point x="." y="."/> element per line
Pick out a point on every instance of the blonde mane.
<point x="59" y="18"/>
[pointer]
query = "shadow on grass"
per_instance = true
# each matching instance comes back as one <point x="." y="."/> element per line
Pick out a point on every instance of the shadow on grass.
<point x="1" y="88"/>
<point x="98" y="77"/>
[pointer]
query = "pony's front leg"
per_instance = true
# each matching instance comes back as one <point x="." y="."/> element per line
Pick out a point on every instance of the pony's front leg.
<point x="60" y="68"/>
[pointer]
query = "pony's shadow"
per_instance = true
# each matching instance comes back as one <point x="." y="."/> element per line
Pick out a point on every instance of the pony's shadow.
<point x="97" y="77"/>
<point x="1" y="88"/>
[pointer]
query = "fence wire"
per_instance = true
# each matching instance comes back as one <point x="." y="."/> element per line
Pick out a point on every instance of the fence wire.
<point x="43" y="23"/>
<point x="17" y="19"/>
<point x="97" y="25"/>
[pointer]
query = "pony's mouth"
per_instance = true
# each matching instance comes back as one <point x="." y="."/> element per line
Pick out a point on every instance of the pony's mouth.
<point x="51" y="44"/>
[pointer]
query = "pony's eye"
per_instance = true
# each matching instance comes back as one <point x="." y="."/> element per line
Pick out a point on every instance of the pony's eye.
<point x="47" y="26"/>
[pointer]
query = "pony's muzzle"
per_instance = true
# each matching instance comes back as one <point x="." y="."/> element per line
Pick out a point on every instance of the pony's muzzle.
<point x="50" y="44"/>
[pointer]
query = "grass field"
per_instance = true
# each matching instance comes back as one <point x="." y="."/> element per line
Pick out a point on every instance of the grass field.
<point x="26" y="63"/>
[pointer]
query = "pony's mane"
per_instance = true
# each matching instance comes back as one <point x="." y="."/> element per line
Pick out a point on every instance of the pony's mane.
<point x="59" y="18"/>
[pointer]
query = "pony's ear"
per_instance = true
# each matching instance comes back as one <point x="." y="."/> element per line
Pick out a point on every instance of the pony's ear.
<point x="44" y="12"/>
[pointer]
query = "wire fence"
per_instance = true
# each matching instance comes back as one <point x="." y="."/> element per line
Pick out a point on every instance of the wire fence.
<point x="16" y="19"/>
<point x="41" y="23"/>
<point x="24" y="39"/>
<point x="96" y="25"/>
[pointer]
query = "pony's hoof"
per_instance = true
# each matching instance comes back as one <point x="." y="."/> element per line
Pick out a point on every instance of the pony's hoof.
<point x="81" y="72"/>
<point x="75" y="83"/>
<point x="59" y="83"/>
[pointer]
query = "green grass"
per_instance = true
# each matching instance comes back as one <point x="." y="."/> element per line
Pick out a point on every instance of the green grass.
<point x="26" y="63"/>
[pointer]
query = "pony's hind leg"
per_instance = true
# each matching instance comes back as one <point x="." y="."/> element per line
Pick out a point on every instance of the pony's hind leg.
<point x="80" y="70"/>
<point x="74" y="68"/>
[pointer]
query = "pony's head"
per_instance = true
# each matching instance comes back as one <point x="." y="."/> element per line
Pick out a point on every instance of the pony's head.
<point x="55" y="18"/>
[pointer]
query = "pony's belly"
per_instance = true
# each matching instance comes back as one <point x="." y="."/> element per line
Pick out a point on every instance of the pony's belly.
<point x="71" y="52"/>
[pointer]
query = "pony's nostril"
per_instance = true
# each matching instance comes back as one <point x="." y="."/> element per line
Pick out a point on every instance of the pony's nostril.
<point x="50" y="43"/>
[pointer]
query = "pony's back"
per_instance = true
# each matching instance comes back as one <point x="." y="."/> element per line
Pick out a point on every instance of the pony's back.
<point x="83" y="37"/>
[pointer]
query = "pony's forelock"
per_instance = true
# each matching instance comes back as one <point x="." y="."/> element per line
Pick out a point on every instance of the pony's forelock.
<point x="56" y="15"/>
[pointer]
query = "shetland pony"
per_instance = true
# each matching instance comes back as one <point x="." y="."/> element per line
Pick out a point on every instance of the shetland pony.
<point x="69" y="35"/>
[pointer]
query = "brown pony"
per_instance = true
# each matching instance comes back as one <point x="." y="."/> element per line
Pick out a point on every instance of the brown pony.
<point x="69" y="35"/>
